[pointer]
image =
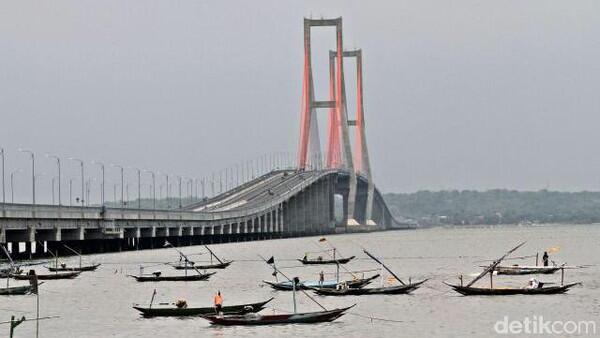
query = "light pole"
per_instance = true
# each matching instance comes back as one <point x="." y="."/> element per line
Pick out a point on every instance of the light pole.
<point x="58" y="165"/>
<point x="153" y="188"/>
<point x="82" y="179"/>
<point x="122" y="183"/>
<point x="3" y="188"/>
<point x="139" y="175"/>
<point x="32" y="172"/>
<point x="12" y="185"/>
<point x="71" y="191"/>
<point x="103" y="181"/>
<point x="167" y="187"/>
<point x="179" y="179"/>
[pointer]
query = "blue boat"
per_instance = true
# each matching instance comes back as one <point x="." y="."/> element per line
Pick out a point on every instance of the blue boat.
<point x="328" y="284"/>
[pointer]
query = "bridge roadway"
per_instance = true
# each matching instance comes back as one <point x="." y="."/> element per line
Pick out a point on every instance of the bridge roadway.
<point x="278" y="204"/>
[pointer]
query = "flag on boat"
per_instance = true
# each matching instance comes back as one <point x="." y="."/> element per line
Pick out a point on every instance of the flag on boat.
<point x="271" y="260"/>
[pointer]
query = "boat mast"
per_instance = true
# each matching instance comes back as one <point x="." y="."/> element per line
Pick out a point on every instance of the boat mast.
<point x="494" y="265"/>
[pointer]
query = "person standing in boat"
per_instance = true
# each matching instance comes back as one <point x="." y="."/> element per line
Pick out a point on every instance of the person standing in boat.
<point x="321" y="278"/>
<point x="545" y="258"/>
<point x="218" y="302"/>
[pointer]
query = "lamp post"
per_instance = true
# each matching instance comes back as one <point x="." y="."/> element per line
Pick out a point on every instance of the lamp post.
<point x="103" y="181"/>
<point x="122" y="183"/>
<point x="82" y="179"/>
<point x="12" y="185"/>
<point x="58" y="165"/>
<point x="139" y="176"/>
<point x="167" y="189"/>
<point x="32" y="172"/>
<point x="179" y="179"/>
<point x="153" y="188"/>
<point x="71" y="191"/>
<point x="3" y="188"/>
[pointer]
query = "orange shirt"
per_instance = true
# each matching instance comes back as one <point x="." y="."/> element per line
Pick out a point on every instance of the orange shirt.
<point x="218" y="300"/>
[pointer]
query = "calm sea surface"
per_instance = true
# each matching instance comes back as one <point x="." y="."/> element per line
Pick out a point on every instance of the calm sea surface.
<point x="99" y="304"/>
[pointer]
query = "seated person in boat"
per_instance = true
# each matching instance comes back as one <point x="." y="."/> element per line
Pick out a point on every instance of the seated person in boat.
<point x="532" y="284"/>
<point x="342" y="286"/>
<point x="181" y="303"/>
<point x="545" y="258"/>
<point x="218" y="302"/>
<point x="305" y="258"/>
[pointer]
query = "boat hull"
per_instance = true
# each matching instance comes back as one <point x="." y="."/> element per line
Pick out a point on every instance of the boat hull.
<point x="387" y="290"/>
<point x="58" y="275"/>
<point x="66" y="269"/>
<point x="16" y="290"/>
<point x="203" y="267"/>
<point x="295" y="318"/>
<point x="307" y="285"/>
<point x="200" y="311"/>
<point x="324" y="261"/>
<point x="526" y="270"/>
<point x="189" y="278"/>
<point x="546" y="290"/>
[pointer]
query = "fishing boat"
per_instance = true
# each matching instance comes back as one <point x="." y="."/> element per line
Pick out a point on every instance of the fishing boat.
<point x="157" y="277"/>
<point x="56" y="275"/>
<point x="525" y="270"/>
<point x="64" y="268"/>
<point x="169" y="310"/>
<point x="277" y="319"/>
<point x="16" y="290"/>
<point x="292" y="318"/>
<point x="539" y="289"/>
<point x="480" y="291"/>
<point x="185" y="264"/>
<point x="81" y="268"/>
<point x="320" y="260"/>
<point x="328" y="284"/>
<point x="384" y="290"/>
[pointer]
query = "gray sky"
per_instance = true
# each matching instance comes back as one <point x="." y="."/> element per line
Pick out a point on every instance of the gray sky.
<point x="458" y="94"/>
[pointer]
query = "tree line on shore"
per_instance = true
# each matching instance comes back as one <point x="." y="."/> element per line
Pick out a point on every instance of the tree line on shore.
<point x="498" y="206"/>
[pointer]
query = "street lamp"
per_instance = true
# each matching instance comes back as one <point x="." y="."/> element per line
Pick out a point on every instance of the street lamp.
<point x="122" y="183"/>
<point x="139" y="175"/>
<point x="12" y="185"/>
<point x="167" y="187"/>
<point x="103" y="181"/>
<point x="153" y="188"/>
<point x="58" y="164"/>
<point x="3" y="189"/>
<point x="32" y="172"/>
<point x="71" y="191"/>
<point x="82" y="179"/>
<point x="179" y="179"/>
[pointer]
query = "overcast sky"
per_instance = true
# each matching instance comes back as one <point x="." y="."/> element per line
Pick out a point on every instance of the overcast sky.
<point x="458" y="94"/>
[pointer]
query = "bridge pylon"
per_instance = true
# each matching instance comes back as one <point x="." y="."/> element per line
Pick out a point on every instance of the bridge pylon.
<point x="361" y="152"/>
<point x="339" y="151"/>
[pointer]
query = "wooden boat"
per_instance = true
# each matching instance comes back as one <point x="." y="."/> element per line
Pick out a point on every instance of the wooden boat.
<point x="159" y="278"/>
<point x="307" y="261"/>
<point x="293" y="318"/>
<point x="190" y="266"/>
<point x="329" y="284"/>
<point x="385" y="290"/>
<point x="173" y="311"/>
<point x="479" y="291"/>
<point x="16" y="290"/>
<point x="57" y="275"/>
<point x="525" y="270"/>
<point x="73" y="268"/>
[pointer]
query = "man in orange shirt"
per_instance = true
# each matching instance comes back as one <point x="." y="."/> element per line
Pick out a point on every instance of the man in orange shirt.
<point x="218" y="302"/>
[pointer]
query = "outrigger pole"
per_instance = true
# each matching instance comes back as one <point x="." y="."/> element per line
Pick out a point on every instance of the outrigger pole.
<point x="212" y="254"/>
<point x="492" y="266"/>
<point x="293" y="285"/>
<point x="385" y="267"/>
<point x="75" y="252"/>
<point x="167" y="244"/>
